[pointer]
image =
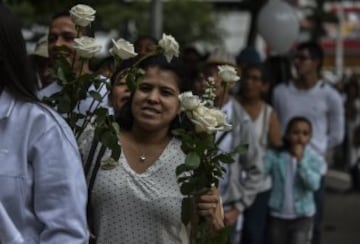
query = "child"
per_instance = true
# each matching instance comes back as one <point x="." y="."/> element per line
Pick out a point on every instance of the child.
<point x="254" y="86"/>
<point x="296" y="175"/>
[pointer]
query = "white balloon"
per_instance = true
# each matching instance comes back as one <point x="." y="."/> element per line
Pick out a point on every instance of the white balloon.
<point x="279" y="25"/>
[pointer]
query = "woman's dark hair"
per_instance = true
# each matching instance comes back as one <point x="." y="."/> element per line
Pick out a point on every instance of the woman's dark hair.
<point x="290" y="124"/>
<point x="124" y="117"/>
<point x="16" y="71"/>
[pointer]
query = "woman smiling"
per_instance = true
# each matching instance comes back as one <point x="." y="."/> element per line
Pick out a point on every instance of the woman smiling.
<point x="139" y="201"/>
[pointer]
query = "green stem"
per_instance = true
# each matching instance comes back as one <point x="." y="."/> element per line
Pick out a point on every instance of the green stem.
<point x="221" y="103"/>
<point x="87" y="119"/>
<point x="74" y="53"/>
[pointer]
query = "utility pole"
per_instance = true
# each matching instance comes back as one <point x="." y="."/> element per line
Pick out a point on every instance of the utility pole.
<point x="339" y="51"/>
<point x="156" y="18"/>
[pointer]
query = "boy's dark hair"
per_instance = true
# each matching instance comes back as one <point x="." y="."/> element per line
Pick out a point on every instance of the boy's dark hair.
<point x="315" y="50"/>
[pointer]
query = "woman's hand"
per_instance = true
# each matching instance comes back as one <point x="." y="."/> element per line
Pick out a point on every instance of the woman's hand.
<point x="210" y="207"/>
<point x="231" y="216"/>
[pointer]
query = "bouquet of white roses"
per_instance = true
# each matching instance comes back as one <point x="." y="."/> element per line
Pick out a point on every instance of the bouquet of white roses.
<point x="202" y="168"/>
<point x="77" y="86"/>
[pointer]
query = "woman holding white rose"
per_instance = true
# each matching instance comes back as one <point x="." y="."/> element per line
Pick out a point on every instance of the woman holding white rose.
<point x="139" y="200"/>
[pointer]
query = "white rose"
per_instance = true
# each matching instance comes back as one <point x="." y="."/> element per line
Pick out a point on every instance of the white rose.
<point x="228" y="73"/>
<point x="82" y="15"/>
<point x="209" y="120"/>
<point x="169" y="46"/>
<point x="189" y="101"/>
<point x="86" y="47"/>
<point x="122" y="49"/>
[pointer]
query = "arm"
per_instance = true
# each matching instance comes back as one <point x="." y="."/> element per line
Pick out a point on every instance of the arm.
<point x="251" y="168"/>
<point x="60" y="192"/>
<point x="336" y="117"/>
<point x="274" y="130"/>
<point x="268" y="162"/>
<point x="309" y="171"/>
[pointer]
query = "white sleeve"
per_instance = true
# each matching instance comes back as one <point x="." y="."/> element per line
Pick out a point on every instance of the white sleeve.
<point x="60" y="192"/>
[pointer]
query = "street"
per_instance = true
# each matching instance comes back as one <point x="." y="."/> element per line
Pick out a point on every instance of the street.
<point x="342" y="216"/>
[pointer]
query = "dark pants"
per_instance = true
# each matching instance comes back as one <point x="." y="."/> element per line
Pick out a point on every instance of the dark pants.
<point x="290" y="231"/>
<point x="255" y="220"/>
<point x="319" y="196"/>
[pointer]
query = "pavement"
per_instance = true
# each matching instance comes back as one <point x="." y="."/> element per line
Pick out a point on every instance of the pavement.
<point x="342" y="211"/>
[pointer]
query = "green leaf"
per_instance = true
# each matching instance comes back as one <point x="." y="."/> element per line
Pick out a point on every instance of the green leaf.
<point x="186" y="210"/>
<point x="181" y="169"/>
<point x="108" y="138"/>
<point x="64" y="105"/>
<point x="241" y="149"/>
<point x="187" y="188"/>
<point x="115" y="152"/>
<point x="221" y="236"/>
<point x="225" y="158"/>
<point x="192" y="160"/>
<point x="96" y="95"/>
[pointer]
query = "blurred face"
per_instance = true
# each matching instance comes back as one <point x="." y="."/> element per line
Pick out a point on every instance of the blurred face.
<point x="253" y="85"/>
<point x="120" y="94"/>
<point x="155" y="103"/>
<point x="62" y="32"/>
<point x="299" y="133"/>
<point x="145" y="46"/>
<point x="304" y="63"/>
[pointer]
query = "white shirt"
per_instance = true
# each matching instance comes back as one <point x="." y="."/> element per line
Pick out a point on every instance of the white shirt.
<point x="43" y="191"/>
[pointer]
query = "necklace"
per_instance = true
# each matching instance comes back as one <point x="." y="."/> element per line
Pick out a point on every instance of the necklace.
<point x="142" y="158"/>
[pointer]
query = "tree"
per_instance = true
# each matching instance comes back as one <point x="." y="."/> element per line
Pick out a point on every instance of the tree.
<point x="186" y="20"/>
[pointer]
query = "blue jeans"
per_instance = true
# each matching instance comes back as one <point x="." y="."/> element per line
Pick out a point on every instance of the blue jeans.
<point x="290" y="231"/>
<point x="255" y="220"/>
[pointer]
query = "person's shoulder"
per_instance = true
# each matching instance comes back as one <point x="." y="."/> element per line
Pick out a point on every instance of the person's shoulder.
<point x="47" y="119"/>
<point x="329" y="91"/>
<point x="239" y="112"/>
<point x="284" y="86"/>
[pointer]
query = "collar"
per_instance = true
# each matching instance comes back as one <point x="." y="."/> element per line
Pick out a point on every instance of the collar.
<point x="7" y="103"/>
<point x="318" y="84"/>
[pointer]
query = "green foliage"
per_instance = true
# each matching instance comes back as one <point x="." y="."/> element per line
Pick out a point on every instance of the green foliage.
<point x="75" y="89"/>
<point x="200" y="24"/>
<point x="201" y="170"/>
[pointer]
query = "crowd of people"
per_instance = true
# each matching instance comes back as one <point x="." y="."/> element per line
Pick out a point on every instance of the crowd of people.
<point x="274" y="193"/>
